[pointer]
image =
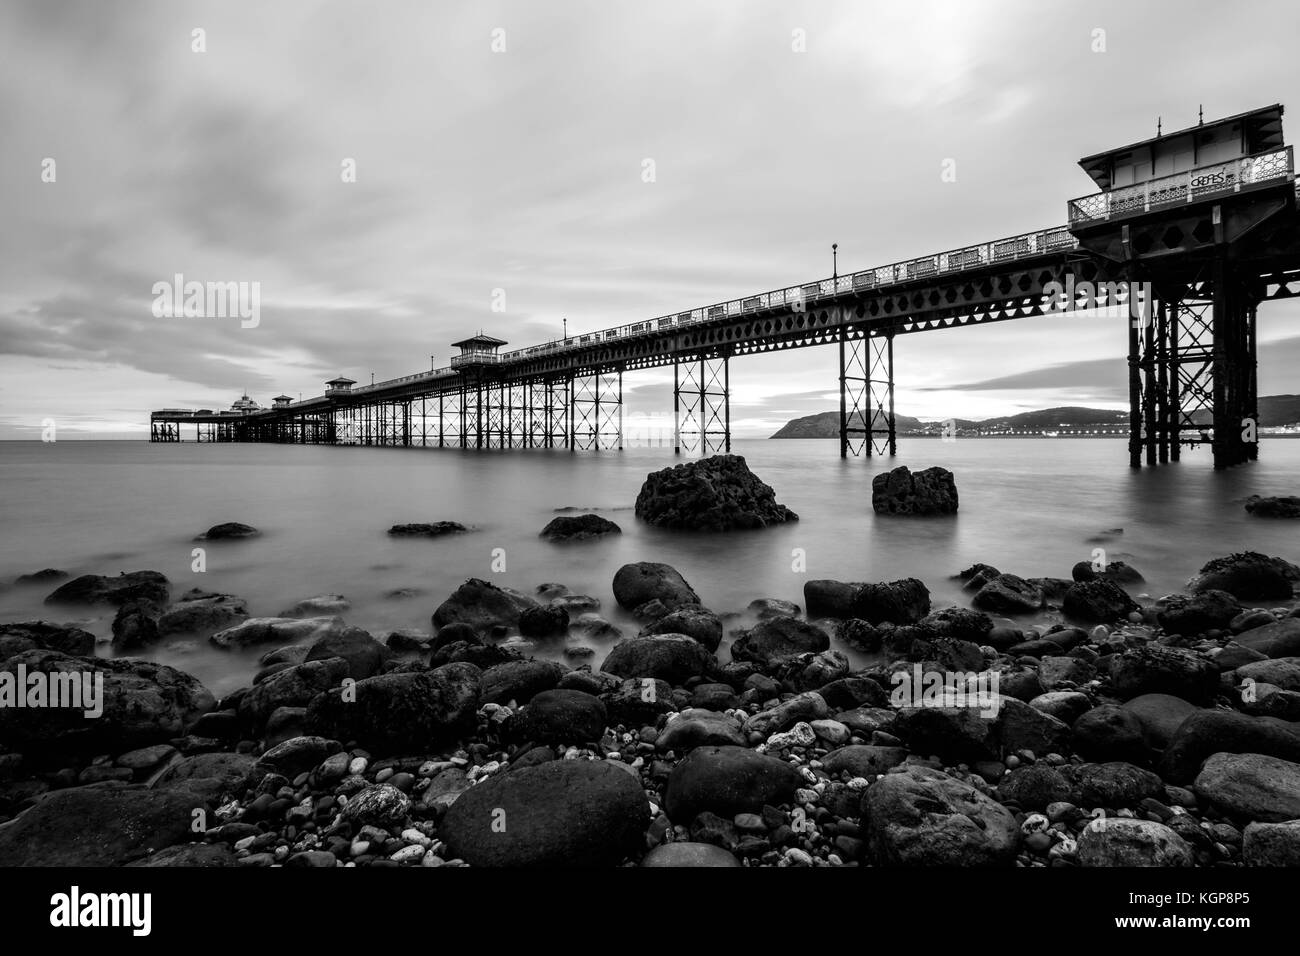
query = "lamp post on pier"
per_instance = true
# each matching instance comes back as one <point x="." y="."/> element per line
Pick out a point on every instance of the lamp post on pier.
<point x="835" y="268"/>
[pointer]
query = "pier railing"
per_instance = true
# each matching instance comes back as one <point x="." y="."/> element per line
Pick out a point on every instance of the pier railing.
<point x="965" y="258"/>
<point x="1185" y="187"/>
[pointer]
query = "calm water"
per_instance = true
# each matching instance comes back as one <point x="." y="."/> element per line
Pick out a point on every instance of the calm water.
<point x="1026" y="506"/>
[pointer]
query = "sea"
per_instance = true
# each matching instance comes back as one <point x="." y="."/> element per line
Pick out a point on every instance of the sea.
<point x="1033" y="507"/>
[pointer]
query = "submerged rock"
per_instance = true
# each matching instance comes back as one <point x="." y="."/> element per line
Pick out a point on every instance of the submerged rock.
<point x="1247" y="575"/>
<point x="639" y="584"/>
<point x="578" y="528"/>
<point x="143" y="587"/>
<point x="482" y="605"/>
<point x="435" y="529"/>
<point x="1286" y="506"/>
<point x="228" y="530"/>
<point x="715" y="494"/>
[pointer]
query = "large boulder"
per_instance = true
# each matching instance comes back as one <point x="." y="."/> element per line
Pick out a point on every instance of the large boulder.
<point x="1197" y="613"/>
<point x="97" y="826"/>
<point x="1116" y="841"/>
<point x="400" y="711"/>
<point x="563" y="813"/>
<point x="1159" y="716"/>
<point x="1008" y="594"/>
<point x="906" y="601"/>
<point x="646" y="581"/>
<point x="1157" y="669"/>
<point x="295" y="686"/>
<point x="140" y="587"/>
<point x="1281" y="639"/>
<point x="578" y="528"/>
<point x="961" y="623"/>
<point x="903" y="492"/>
<point x="1099" y="601"/>
<point x="700" y="728"/>
<point x="365" y="655"/>
<point x="1247" y="575"/>
<point x="924" y="817"/>
<point x="1271" y="844"/>
<point x="482" y="605"/>
<point x="714" y="494"/>
<point x="519" y="680"/>
<point x="1210" y="732"/>
<point x="202" y="613"/>
<point x="140" y="703"/>
<point x="778" y="638"/>
<point x="32" y="635"/>
<point x="674" y="658"/>
<point x="1251" y="786"/>
<point x="561" y="717"/>
<point x="727" y="780"/>
<point x="273" y="630"/>
<point x="691" y="620"/>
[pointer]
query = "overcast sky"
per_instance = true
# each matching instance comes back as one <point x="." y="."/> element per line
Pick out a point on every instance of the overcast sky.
<point x="522" y="170"/>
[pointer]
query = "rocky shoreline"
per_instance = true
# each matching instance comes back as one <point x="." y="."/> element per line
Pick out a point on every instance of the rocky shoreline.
<point x="1134" y="731"/>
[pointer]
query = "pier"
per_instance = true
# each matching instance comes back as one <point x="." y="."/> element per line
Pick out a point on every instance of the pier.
<point x="1205" y="218"/>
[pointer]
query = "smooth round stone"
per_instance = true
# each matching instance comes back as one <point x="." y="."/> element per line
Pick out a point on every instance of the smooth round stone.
<point x="384" y="774"/>
<point x="797" y="857"/>
<point x="358" y="766"/>
<point x="689" y="854"/>
<point x="408" y="854"/>
<point x="1038" y="842"/>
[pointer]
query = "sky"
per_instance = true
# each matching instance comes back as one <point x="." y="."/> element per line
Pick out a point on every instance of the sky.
<point x="500" y="152"/>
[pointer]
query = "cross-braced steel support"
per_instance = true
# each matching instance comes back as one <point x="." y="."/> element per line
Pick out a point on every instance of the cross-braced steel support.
<point x="1192" y="371"/>
<point x="867" y="395"/>
<point x="596" y="411"/>
<point x="702" y="405"/>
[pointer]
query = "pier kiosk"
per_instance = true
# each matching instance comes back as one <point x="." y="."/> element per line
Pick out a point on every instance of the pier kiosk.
<point x="1194" y="218"/>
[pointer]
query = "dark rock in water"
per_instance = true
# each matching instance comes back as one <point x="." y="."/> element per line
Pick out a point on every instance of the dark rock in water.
<point x="902" y="492"/>
<point x="1285" y="506"/>
<point x="1274" y="640"/>
<point x="924" y="817"/>
<point x="400" y="711"/>
<point x="563" y="813"/>
<point x="365" y="656"/>
<point x="976" y="576"/>
<point x="294" y="687"/>
<point x="578" y="528"/>
<point x="97" y="826"/>
<point x="1099" y="601"/>
<point x="1008" y="594"/>
<point x="480" y="655"/>
<point x="860" y="634"/>
<point x="545" y="621"/>
<point x="764" y="608"/>
<point x="1197" y="613"/>
<point x="142" y="703"/>
<point x="519" y="680"/>
<point x="273" y="630"/>
<point x="202" y="613"/>
<point x="561" y="717"/>
<point x="777" y="639"/>
<point x="727" y="781"/>
<point x="1251" y="786"/>
<point x="230" y="529"/>
<point x="434" y="530"/>
<point x="408" y="641"/>
<point x="905" y="601"/>
<point x="1159" y="716"/>
<point x="143" y="587"/>
<point x="1222" y="731"/>
<point x="714" y="494"/>
<point x="674" y="658"/>
<point x="191" y="855"/>
<point x="1247" y="575"/>
<point x="691" y="620"/>
<point x="44" y="576"/>
<point x="1109" y="732"/>
<point x="636" y="703"/>
<point x="1051" y="587"/>
<point x="134" y="627"/>
<point x="960" y="623"/>
<point x="1116" y="571"/>
<point x="453" y="633"/>
<point x="482" y="605"/>
<point x="645" y="581"/>
<point x="1157" y="669"/>
<point x="43" y="635"/>
<point x="683" y="853"/>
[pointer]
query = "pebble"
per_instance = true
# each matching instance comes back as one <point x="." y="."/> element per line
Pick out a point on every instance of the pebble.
<point x="357" y="766"/>
<point x="408" y="854"/>
<point x="797" y="857"/>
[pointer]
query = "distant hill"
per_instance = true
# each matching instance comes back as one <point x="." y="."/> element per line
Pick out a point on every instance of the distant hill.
<point x="1274" y="410"/>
